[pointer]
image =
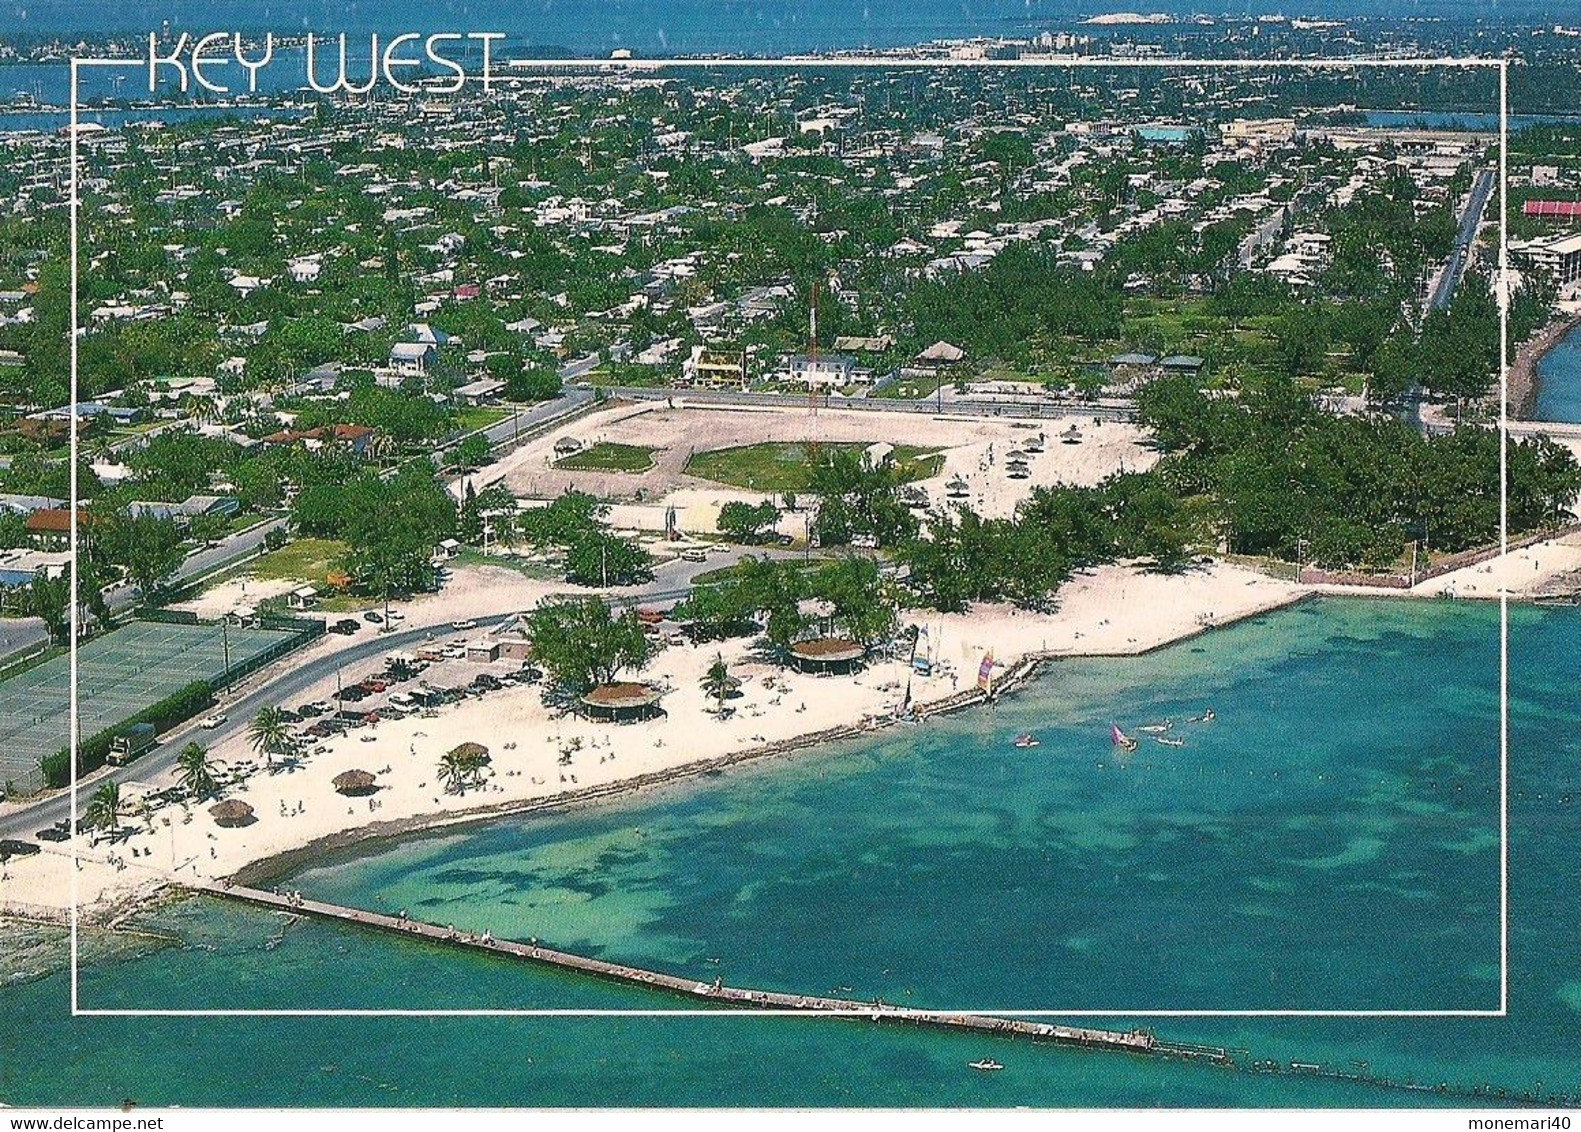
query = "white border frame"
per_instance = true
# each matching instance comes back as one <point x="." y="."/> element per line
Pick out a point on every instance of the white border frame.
<point x="1084" y="62"/>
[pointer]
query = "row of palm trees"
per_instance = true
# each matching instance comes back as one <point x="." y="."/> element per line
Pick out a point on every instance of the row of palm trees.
<point x="269" y="734"/>
<point x="194" y="773"/>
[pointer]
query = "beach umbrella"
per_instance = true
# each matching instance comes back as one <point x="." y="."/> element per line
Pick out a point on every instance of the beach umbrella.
<point x="231" y="813"/>
<point x="470" y="751"/>
<point x="355" y="782"/>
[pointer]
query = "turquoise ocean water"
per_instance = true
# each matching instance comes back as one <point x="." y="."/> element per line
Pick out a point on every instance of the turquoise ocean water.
<point x="1331" y="841"/>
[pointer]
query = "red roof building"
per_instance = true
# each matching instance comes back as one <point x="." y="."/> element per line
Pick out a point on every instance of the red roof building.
<point x="1553" y="209"/>
<point x="354" y="435"/>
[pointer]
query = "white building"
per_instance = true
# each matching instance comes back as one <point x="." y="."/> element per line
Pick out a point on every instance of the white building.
<point x="828" y="370"/>
<point x="411" y="359"/>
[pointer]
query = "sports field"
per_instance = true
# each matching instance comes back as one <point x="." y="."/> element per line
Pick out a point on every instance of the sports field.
<point x="119" y="674"/>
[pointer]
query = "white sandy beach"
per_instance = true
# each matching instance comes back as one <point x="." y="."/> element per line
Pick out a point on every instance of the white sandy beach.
<point x="1111" y="611"/>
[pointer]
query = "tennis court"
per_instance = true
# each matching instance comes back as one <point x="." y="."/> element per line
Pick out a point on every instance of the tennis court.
<point x="119" y="675"/>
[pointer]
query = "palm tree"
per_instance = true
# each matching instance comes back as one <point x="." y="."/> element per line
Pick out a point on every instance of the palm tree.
<point x="381" y="448"/>
<point x="202" y="410"/>
<point x="717" y="682"/>
<point x="462" y="768"/>
<point x="269" y="734"/>
<point x="194" y="772"/>
<point x="104" y="808"/>
<point x="451" y="776"/>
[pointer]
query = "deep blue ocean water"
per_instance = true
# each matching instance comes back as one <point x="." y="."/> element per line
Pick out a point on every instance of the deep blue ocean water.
<point x="1559" y="381"/>
<point x="1331" y="841"/>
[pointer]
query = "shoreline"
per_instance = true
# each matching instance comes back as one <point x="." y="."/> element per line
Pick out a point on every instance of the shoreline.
<point x="1019" y="673"/>
<point x="1024" y="642"/>
<point x="1109" y="612"/>
<point x="1523" y="380"/>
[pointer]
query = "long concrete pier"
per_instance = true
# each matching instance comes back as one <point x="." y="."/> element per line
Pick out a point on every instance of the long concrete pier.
<point x="716" y="993"/>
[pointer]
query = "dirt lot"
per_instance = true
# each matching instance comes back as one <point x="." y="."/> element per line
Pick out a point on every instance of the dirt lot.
<point x="974" y="449"/>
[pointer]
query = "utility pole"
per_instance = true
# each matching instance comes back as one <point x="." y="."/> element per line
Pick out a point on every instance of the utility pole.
<point x="225" y="643"/>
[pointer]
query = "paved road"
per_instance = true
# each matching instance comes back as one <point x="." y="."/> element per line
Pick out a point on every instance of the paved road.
<point x="24" y="635"/>
<point x="227" y="550"/>
<point x="291" y="683"/>
<point x="1470" y="219"/>
<point x="1450" y="275"/>
<point x="20" y="635"/>
<point x="519" y="423"/>
<point x="574" y="369"/>
<point x="671" y="582"/>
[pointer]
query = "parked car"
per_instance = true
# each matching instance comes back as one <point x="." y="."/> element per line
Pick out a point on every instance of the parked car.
<point x="373" y="617"/>
<point x="372" y="686"/>
<point x="463" y="625"/>
<point x="210" y="722"/>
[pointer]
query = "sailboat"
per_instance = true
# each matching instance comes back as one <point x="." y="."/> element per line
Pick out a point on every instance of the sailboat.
<point x="1121" y="739"/>
<point x="1168" y="742"/>
<point x="985" y="1065"/>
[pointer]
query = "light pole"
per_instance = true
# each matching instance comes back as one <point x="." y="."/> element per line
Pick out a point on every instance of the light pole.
<point x="225" y="643"/>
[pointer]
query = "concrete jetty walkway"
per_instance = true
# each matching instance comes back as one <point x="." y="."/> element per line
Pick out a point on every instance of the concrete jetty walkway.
<point x="1128" y="1041"/>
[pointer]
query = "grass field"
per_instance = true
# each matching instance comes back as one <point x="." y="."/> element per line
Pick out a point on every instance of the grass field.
<point x="307" y="560"/>
<point x="606" y="457"/>
<point x="470" y="420"/>
<point x="914" y="388"/>
<point x="538" y="571"/>
<point x="787" y="467"/>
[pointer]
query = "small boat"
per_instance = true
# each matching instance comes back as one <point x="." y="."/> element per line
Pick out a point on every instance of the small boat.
<point x="1026" y="740"/>
<point x="1121" y="739"/>
<point x="1168" y="742"/>
<point x="985" y="1065"/>
<point x="1206" y="717"/>
<point x="1157" y="728"/>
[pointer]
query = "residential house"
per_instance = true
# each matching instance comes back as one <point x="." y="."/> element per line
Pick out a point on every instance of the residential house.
<point x="828" y="370"/>
<point x="715" y="369"/>
<point x="484" y="391"/>
<point x="355" y="437"/>
<point x="412" y="359"/>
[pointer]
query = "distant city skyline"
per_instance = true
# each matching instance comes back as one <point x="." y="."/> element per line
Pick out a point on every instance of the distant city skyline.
<point x="698" y="25"/>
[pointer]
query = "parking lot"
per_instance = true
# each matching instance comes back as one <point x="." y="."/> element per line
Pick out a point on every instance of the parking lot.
<point x="409" y="683"/>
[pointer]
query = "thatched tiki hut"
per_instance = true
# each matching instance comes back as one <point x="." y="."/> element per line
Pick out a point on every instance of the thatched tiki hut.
<point x="828" y="655"/>
<point x="622" y="702"/>
<point x="355" y="783"/>
<point x="231" y="814"/>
